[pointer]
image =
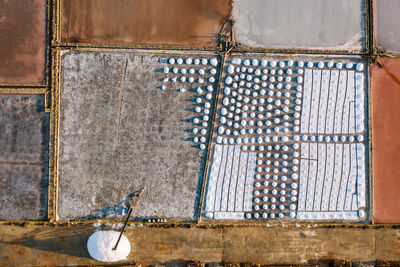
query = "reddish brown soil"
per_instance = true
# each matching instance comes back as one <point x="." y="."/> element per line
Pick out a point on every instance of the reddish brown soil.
<point x="138" y="22"/>
<point x="386" y="140"/>
<point x="22" y="41"/>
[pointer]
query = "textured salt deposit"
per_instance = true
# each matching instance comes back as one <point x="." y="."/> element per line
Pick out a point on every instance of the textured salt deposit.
<point x="273" y="110"/>
<point x="100" y="246"/>
<point x="199" y="79"/>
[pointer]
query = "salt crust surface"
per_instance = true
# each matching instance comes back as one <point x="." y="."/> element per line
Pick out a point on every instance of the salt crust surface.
<point x="327" y="102"/>
<point x="100" y="246"/>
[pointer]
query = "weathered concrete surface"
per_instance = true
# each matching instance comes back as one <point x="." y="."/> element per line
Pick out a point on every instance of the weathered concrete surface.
<point x="23" y="158"/>
<point x="40" y="245"/>
<point x="296" y="245"/>
<point x="120" y="132"/>
<point x="387" y="243"/>
<point x="22" y="42"/>
<point x="21" y="118"/>
<point x="385" y="140"/>
<point x="137" y="22"/>
<point x="23" y="192"/>
<point x="307" y="24"/>
<point x="387" y="21"/>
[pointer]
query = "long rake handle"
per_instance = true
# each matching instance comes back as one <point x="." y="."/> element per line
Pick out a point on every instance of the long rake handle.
<point x="124" y="228"/>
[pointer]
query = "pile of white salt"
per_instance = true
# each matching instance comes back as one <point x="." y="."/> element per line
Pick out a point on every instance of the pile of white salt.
<point x="101" y="243"/>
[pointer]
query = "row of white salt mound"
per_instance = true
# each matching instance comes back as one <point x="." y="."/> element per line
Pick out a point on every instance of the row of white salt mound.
<point x="201" y="71"/>
<point x="284" y="196"/>
<point x="300" y="63"/>
<point x="274" y="199"/>
<point x="274" y="176"/>
<point x="266" y="215"/>
<point x="230" y="100"/>
<point x="266" y="139"/>
<point x="230" y="69"/>
<point x="193" y="61"/>
<point x="205" y="93"/>
<point x="274" y="207"/>
<point x="191" y="70"/>
<point x="282" y="186"/>
<point x="239" y="215"/>
<point x="243" y="93"/>
<point x="255" y="82"/>
<point x="202" y="121"/>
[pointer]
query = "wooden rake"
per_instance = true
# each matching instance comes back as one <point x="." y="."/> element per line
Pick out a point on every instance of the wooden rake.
<point x="131" y="202"/>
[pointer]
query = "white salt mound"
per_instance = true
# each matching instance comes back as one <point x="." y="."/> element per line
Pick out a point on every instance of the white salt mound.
<point x="100" y="246"/>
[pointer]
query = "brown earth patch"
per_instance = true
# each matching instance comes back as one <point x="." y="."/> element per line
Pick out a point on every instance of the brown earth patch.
<point x="137" y="22"/>
<point x="22" y="42"/>
<point x="386" y="140"/>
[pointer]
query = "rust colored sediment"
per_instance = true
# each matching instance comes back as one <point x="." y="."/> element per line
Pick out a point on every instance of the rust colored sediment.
<point x="22" y="41"/>
<point x="139" y="22"/>
<point x="20" y="163"/>
<point x="386" y="140"/>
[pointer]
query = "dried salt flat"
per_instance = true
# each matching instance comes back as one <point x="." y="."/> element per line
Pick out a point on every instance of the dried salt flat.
<point x="343" y="171"/>
<point x="229" y="190"/>
<point x="146" y="134"/>
<point x="101" y="243"/>
<point x="334" y="111"/>
<point x="22" y="136"/>
<point x="386" y="21"/>
<point x="329" y="25"/>
<point x="299" y="120"/>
